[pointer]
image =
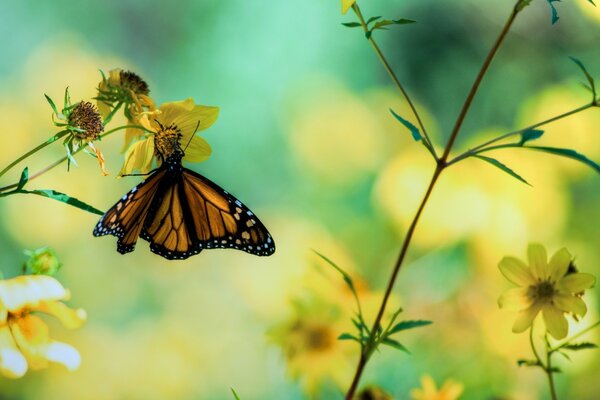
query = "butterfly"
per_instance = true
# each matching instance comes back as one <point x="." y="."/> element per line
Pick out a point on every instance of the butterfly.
<point x="181" y="213"/>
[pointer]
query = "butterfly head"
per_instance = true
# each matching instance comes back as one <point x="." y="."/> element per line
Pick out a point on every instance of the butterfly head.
<point x="167" y="142"/>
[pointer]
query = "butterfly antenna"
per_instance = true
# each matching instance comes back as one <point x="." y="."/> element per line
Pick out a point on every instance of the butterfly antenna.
<point x="192" y="136"/>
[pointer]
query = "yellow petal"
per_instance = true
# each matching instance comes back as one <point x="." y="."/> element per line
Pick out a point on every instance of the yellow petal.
<point x="61" y="353"/>
<point x="12" y="362"/>
<point x="559" y="264"/>
<point x="139" y="156"/>
<point x="570" y="303"/>
<point x="131" y="134"/>
<point x="538" y="260"/>
<point x="195" y="120"/>
<point x="346" y="4"/>
<point x="114" y="76"/>
<point x="556" y="323"/>
<point x="148" y="120"/>
<point x="30" y="332"/>
<point x="24" y="291"/>
<point x="525" y="318"/>
<point x="577" y="282"/>
<point x="70" y="318"/>
<point x="515" y="299"/>
<point x="451" y="390"/>
<point x="103" y="108"/>
<point x="100" y="158"/>
<point x="516" y="271"/>
<point x="198" y="150"/>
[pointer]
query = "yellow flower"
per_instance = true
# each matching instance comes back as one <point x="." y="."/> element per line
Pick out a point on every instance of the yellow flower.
<point x="310" y="345"/>
<point x="450" y="390"/>
<point x="544" y="286"/>
<point x="174" y="126"/>
<point x="24" y="337"/>
<point x="43" y="261"/>
<point x="127" y="89"/>
<point x="346" y="4"/>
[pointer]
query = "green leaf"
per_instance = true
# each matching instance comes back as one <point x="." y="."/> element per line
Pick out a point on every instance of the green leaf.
<point x="416" y="134"/>
<point x="24" y="178"/>
<point x="63" y="198"/>
<point x="59" y="135"/>
<point x="568" y="153"/>
<point x="351" y="24"/>
<point x="395" y="344"/>
<point x="235" y="394"/>
<point x="527" y="363"/>
<point x="530" y="134"/>
<point x="345" y="275"/>
<point x="555" y="16"/>
<point x="592" y="86"/>
<point x="580" y="346"/>
<point x="386" y="22"/>
<point x="372" y="19"/>
<point x="503" y="167"/>
<point x="592" y="3"/>
<point x="404" y="325"/>
<point x="522" y="4"/>
<point x="49" y="100"/>
<point x="347" y="336"/>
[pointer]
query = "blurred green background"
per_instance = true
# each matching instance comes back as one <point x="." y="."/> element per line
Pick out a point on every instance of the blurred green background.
<point x="305" y="139"/>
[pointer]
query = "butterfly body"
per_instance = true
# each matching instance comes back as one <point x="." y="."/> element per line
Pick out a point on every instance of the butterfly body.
<point x="181" y="213"/>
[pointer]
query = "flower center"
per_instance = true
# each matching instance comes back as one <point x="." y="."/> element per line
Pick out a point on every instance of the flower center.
<point x="166" y="140"/>
<point x="86" y="118"/>
<point x="133" y="82"/>
<point x="541" y="291"/>
<point x="318" y="337"/>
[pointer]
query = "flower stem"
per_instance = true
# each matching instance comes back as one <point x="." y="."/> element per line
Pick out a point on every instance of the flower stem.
<point x="549" y="371"/>
<point x="33" y="151"/>
<point x="56" y="163"/>
<point x="441" y="165"/>
<point x="469" y="100"/>
<point x="392" y="75"/>
<point x="477" y="149"/>
<point x="575" y="336"/>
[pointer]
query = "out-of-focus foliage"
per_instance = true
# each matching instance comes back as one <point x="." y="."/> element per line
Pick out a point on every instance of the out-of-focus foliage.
<point x="305" y="138"/>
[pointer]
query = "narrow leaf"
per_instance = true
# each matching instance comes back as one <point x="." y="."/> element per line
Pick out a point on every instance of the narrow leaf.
<point x="592" y="3"/>
<point x="395" y="344"/>
<point x="527" y="363"/>
<point x="24" y="178"/>
<point x="555" y="16"/>
<point x="387" y="22"/>
<point x="580" y="346"/>
<point x="345" y="275"/>
<point x="347" y="336"/>
<point x="568" y="153"/>
<point x="522" y="4"/>
<point x="416" y="134"/>
<point x="530" y="134"/>
<point x="587" y="75"/>
<point x="351" y="24"/>
<point x="404" y="325"/>
<point x="49" y="100"/>
<point x="503" y="167"/>
<point x="53" y="194"/>
<point x="372" y="19"/>
<point x="235" y="394"/>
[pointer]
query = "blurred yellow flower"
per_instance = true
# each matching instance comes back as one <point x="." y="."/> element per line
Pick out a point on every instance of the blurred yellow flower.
<point x="127" y="89"/>
<point x="174" y="126"/>
<point x="450" y="390"/>
<point x="310" y="345"/>
<point x="42" y="261"/>
<point x="546" y="287"/>
<point x="24" y="337"/>
<point x="346" y="4"/>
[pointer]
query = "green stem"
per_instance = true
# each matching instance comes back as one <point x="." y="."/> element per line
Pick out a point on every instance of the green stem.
<point x="33" y="151"/>
<point x="427" y="141"/>
<point x="549" y="371"/>
<point x="60" y="161"/>
<point x="575" y="336"/>
<point x="477" y="149"/>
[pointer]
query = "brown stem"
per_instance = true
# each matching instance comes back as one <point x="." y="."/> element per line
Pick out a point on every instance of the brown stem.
<point x="476" y="83"/>
<point x="441" y="165"/>
<point x="409" y="234"/>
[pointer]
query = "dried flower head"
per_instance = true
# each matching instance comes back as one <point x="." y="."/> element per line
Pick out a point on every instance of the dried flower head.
<point x="86" y="121"/>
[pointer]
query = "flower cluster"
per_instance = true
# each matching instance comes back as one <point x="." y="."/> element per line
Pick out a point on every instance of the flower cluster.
<point x="24" y="337"/>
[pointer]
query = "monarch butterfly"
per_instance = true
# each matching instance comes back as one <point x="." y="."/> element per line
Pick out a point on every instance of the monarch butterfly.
<point x="181" y="213"/>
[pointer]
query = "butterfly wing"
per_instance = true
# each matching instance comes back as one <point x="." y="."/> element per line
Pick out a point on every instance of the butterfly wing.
<point x="126" y="218"/>
<point x="196" y="214"/>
